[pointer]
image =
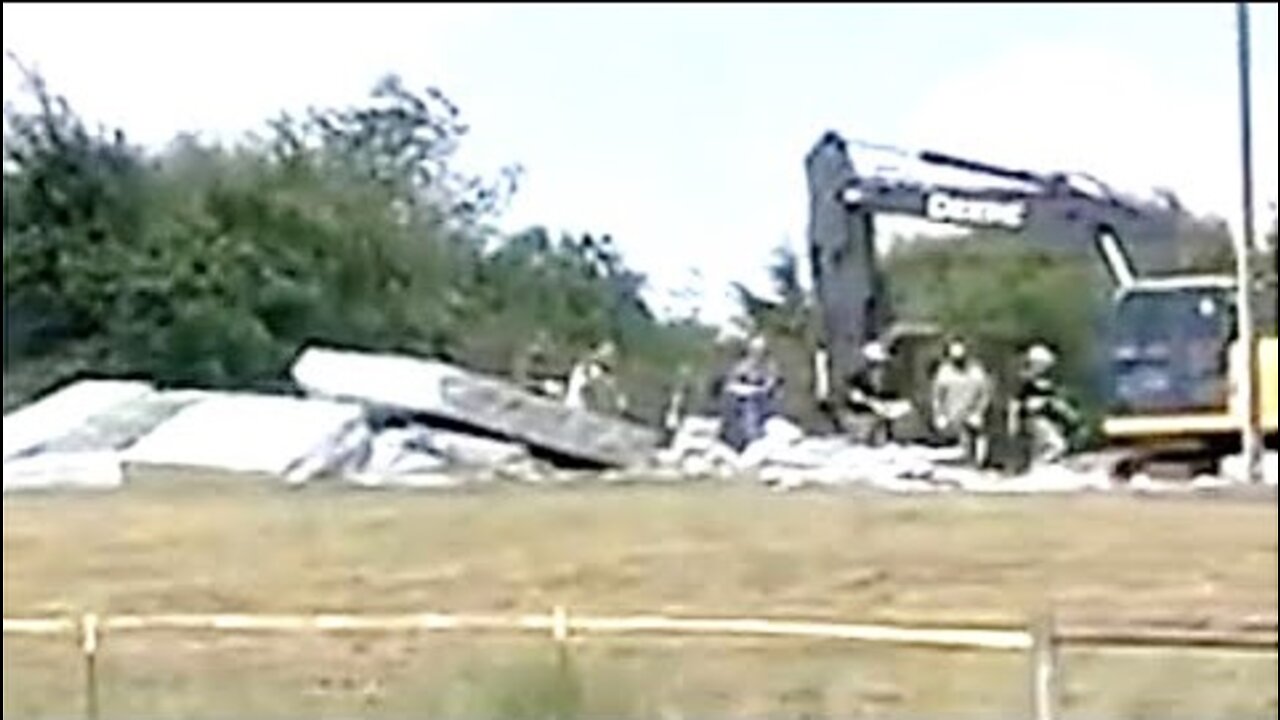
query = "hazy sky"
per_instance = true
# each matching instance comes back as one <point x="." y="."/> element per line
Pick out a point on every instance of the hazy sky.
<point x="681" y="129"/>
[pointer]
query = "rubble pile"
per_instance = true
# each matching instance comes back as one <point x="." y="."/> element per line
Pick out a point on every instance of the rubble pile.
<point x="377" y="421"/>
<point x="786" y="459"/>
<point x="370" y="420"/>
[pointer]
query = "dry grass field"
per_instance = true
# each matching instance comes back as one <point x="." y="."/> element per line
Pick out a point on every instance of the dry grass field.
<point x="201" y="546"/>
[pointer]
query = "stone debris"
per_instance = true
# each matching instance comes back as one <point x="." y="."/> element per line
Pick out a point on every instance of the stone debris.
<point x="85" y="470"/>
<point x="1233" y="468"/>
<point x="251" y="434"/>
<point x="786" y="459"/>
<point x="493" y="406"/>
<point x="63" y="411"/>
<point x="386" y="422"/>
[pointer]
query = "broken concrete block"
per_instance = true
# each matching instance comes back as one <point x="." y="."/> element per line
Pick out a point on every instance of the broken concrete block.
<point x="79" y="470"/>
<point x="451" y="393"/>
<point x="400" y="451"/>
<point x="343" y="453"/>
<point x="123" y="424"/>
<point x="250" y="433"/>
<point x="64" y="410"/>
<point x="471" y="450"/>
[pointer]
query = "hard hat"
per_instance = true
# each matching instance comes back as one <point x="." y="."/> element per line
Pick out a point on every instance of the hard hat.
<point x="956" y="349"/>
<point x="1040" y="355"/>
<point x="875" y="352"/>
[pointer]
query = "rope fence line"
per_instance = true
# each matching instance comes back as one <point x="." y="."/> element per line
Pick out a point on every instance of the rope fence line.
<point x="1042" y="640"/>
<point x="561" y="625"/>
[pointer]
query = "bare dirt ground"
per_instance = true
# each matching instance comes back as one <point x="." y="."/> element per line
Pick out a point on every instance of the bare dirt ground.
<point x="199" y="546"/>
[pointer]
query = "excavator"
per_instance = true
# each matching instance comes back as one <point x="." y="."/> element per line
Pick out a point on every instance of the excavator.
<point x="1170" y="367"/>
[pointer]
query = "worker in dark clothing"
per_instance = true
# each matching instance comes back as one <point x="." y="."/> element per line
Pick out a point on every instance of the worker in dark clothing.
<point x="1039" y="416"/>
<point x="873" y="409"/>
<point x="749" y="396"/>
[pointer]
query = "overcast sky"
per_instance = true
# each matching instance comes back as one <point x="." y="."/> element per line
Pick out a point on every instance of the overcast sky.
<point x="681" y="129"/>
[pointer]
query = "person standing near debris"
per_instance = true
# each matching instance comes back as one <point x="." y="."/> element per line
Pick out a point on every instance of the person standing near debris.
<point x="873" y="406"/>
<point x="749" y="395"/>
<point x="1039" y="416"/>
<point x="961" y="398"/>
<point x="678" y="400"/>
<point x="593" y="384"/>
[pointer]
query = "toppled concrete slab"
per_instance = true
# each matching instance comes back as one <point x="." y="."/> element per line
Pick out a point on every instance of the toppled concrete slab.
<point x="471" y="451"/>
<point x="400" y="451"/>
<point x="85" y="470"/>
<point x="252" y="434"/>
<point x="451" y="393"/>
<point x="55" y="415"/>
<point x="125" y="423"/>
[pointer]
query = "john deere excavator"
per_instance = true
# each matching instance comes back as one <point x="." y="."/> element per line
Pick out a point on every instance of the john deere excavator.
<point x="1167" y="373"/>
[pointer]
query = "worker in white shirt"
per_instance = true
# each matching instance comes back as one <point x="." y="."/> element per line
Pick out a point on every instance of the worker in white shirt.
<point x="592" y="382"/>
<point x="961" y="401"/>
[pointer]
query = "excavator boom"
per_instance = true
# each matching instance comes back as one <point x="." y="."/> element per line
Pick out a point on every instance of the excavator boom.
<point x="1168" y="336"/>
<point x="1047" y="209"/>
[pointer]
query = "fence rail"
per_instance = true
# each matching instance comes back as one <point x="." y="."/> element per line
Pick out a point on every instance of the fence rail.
<point x="1042" y="640"/>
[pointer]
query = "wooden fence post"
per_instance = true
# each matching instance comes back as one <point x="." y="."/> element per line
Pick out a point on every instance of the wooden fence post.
<point x="560" y="634"/>
<point x="1044" y="669"/>
<point x="89" y="646"/>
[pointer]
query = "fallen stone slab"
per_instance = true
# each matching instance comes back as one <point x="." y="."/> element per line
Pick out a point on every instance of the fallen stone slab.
<point x="401" y="451"/>
<point x="472" y="450"/>
<point x="448" y="392"/>
<point x="252" y="434"/>
<point x="125" y="423"/>
<point x="88" y="470"/>
<point x="53" y="416"/>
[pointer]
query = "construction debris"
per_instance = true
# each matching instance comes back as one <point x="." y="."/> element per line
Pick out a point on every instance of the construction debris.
<point x="80" y="470"/>
<point x="64" y="410"/>
<point x="786" y="459"/>
<point x="252" y="434"/>
<point x="394" y="422"/>
<point x="496" y="407"/>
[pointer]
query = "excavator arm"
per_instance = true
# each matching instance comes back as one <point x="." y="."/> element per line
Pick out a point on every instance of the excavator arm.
<point x="1052" y="211"/>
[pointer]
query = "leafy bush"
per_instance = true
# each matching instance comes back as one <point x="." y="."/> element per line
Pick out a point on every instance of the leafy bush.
<point x="212" y="266"/>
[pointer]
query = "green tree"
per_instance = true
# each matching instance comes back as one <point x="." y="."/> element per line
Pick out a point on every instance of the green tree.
<point x="212" y="265"/>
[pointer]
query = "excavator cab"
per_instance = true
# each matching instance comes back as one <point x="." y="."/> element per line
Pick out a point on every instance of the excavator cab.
<point x="1170" y="349"/>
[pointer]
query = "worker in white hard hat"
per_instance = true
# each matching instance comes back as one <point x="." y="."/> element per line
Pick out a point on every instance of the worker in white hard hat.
<point x="593" y="383"/>
<point x="1039" y="414"/>
<point x="875" y="352"/>
<point x="870" y="400"/>
<point x="961" y="398"/>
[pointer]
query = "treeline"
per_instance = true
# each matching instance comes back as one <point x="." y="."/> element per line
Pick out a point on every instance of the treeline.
<point x="210" y="265"/>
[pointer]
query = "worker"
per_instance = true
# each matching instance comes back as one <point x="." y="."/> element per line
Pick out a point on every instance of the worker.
<point x="873" y="406"/>
<point x="678" y="400"/>
<point x="960" y="399"/>
<point x="592" y="382"/>
<point x="749" y="395"/>
<point x="1040" y="417"/>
